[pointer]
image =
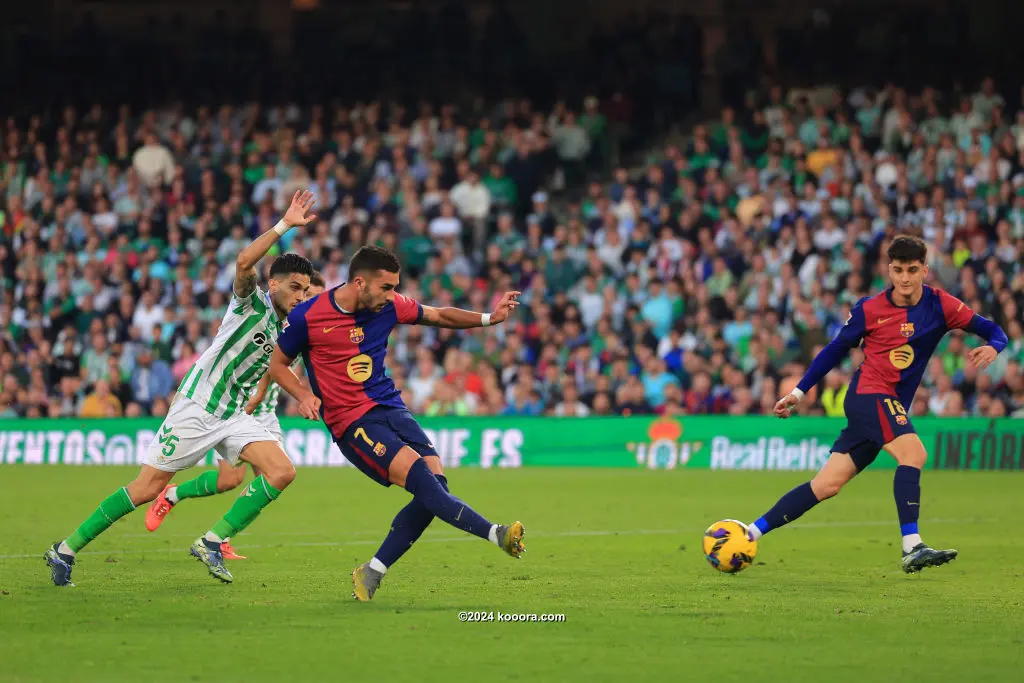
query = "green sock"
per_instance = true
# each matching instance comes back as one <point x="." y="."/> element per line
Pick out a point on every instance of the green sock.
<point x="114" y="507"/>
<point x="203" y="485"/>
<point x="246" y="524"/>
<point x="258" y="496"/>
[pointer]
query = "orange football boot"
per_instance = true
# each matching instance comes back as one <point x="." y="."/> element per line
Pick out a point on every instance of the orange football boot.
<point x="158" y="509"/>
<point x="230" y="553"/>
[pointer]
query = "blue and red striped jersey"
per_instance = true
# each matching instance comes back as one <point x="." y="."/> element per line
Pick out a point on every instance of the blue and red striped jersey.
<point x="344" y="354"/>
<point x="898" y="341"/>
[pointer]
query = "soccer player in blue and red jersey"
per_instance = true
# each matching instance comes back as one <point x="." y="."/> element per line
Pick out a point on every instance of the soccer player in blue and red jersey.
<point x="898" y="331"/>
<point x="342" y="336"/>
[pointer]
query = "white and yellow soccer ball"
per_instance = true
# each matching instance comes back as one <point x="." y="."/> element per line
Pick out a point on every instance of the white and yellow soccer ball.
<point x="727" y="546"/>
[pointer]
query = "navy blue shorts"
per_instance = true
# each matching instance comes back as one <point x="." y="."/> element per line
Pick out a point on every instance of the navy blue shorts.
<point x="372" y="442"/>
<point x="872" y="420"/>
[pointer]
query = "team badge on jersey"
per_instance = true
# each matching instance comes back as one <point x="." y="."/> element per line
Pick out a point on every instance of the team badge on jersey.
<point x="907" y="330"/>
<point x="356" y="335"/>
<point x="380" y="449"/>
<point x="901" y="420"/>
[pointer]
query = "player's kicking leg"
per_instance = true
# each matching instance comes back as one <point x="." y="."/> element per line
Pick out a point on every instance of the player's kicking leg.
<point x="833" y="476"/>
<point x="226" y="478"/>
<point x="60" y="557"/>
<point x="422" y="477"/>
<point x="911" y="456"/>
<point x="276" y="473"/>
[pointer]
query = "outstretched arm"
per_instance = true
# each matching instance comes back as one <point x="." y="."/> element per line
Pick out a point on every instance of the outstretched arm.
<point x="459" y="319"/>
<point x="298" y="213"/>
<point x="829" y="357"/>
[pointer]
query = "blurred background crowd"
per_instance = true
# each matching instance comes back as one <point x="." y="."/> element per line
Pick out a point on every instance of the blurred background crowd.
<point x="671" y="261"/>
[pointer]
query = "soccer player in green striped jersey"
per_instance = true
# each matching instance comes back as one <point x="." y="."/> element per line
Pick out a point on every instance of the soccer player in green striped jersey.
<point x="208" y="410"/>
<point x="262" y="405"/>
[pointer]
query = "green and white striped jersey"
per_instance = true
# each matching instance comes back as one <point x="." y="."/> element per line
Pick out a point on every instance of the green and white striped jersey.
<point x="225" y="375"/>
<point x="268" y="405"/>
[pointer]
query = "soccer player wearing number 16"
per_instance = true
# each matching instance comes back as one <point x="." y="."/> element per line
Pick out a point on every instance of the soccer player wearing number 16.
<point x="342" y="336"/>
<point x="899" y="330"/>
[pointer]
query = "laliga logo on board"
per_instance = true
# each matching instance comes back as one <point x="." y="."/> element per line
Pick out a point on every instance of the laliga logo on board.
<point x="664" y="451"/>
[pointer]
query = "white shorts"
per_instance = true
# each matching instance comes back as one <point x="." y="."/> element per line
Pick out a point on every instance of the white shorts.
<point x="189" y="432"/>
<point x="273" y="425"/>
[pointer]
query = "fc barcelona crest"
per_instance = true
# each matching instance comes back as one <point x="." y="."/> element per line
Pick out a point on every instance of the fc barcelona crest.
<point x="356" y="335"/>
<point x="901" y="420"/>
<point x="906" y="329"/>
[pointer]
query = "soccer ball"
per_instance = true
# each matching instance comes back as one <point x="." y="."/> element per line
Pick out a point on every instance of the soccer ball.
<point x="727" y="547"/>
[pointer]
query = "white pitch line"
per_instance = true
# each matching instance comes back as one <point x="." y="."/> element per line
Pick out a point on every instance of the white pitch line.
<point x="458" y="539"/>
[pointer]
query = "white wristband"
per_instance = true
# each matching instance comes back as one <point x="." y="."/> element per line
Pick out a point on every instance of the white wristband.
<point x="796" y="392"/>
<point x="485" y="319"/>
<point x="281" y="228"/>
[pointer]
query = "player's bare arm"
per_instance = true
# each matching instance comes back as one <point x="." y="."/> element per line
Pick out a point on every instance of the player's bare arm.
<point x="260" y="393"/>
<point x="281" y="372"/>
<point x="300" y="212"/>
<point x="460" y="319"/>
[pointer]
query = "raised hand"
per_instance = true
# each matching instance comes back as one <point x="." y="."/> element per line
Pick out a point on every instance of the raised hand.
<point x="300" y="211"/>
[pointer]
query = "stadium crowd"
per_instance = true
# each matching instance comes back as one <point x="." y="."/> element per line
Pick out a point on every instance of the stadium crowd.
<point x="698" y="283"/>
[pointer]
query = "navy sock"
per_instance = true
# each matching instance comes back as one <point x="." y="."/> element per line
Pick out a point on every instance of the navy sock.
<point x="427" y="489"/>
<point x="410" y="522"/>
<point x="790" y="507"/>
<point x="906" y="488"/>
<point x="408" y="525"/>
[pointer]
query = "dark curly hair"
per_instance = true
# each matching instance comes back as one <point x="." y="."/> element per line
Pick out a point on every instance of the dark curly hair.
<point x="286" y="264"/>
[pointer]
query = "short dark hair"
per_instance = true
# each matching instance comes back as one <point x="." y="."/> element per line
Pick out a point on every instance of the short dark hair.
<point x="317" y="280"/>
<point x="907" y="248"/>
<point x="287" y="264"/>
<point x="373" y="258"/>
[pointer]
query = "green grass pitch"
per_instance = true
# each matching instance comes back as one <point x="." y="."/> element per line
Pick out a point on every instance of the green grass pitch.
<point x="618" y="552"/>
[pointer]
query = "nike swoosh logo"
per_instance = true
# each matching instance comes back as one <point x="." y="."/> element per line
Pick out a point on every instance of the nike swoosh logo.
<point x="882" y="321"/>
<point x="909" y="503"/>
<point x="328" y="329"/>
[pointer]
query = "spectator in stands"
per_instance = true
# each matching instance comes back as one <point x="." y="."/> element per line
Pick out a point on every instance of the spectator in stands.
<point x="100" y="403"/>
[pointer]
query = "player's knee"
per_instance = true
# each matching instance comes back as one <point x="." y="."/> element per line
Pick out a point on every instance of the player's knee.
<point x="913" y="459"/>
<point x="908" y="450"/>
<point x="280" y="474"/>
<point x="826" y="487"/>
